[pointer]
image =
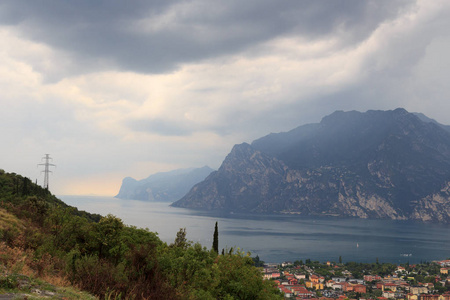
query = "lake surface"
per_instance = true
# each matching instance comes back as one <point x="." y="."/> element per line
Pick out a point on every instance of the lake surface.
<point x="278" y="238"/>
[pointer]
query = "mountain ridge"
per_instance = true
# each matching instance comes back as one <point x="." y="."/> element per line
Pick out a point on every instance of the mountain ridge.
<point x="163" y="186"/>
<point x="376" y="164"/>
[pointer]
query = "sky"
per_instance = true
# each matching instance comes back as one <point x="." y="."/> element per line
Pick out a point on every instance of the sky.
<point x="113" y="88"/>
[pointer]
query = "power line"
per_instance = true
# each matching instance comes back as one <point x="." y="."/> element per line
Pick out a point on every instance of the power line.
<point x="47" y="166"/>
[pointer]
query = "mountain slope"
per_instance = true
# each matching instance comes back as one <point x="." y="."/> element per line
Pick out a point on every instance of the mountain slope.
<point x="164" y="186"/>
<point x="377" y="164"/>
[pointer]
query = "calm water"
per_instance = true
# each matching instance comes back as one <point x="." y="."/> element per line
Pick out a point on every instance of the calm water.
<point x="282" y="238"/>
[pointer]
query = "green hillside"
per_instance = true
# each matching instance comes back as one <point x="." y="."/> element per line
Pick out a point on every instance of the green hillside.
<point x="42" y="238"/>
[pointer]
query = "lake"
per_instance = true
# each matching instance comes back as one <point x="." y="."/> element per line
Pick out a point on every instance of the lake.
<point x="278" y="238"/>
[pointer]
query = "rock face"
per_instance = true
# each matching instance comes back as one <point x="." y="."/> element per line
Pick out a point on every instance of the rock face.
<point x="377" y="164"/>
<point x="163" y="187"/>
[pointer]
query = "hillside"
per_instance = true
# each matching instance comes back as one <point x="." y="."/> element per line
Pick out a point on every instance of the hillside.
<point x="163" y="186"/>
<point x="377" y="164"/>
<point x="47" y="248"/>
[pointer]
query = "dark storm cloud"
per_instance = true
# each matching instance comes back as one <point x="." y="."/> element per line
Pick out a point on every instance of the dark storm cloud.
<point x="114" y="34"/>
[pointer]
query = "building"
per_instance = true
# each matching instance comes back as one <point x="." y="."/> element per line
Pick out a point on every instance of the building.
<point x="417" y="290"/>
<point x="371" y="277"/>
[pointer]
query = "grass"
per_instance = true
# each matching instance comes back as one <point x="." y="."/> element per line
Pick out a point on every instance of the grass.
<point x="9" y="221"/>
<point x="22" y="286"/>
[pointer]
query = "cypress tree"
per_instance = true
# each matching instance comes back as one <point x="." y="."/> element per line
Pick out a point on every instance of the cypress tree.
<point x="215" y="245"/>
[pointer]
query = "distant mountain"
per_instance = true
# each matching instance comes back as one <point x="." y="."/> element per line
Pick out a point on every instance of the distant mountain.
<point x="428" y="120"/>
<point x="164" y="186"/>
<point x="377" y="164"/>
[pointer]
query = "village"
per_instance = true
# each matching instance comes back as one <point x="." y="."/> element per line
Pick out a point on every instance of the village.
<point x="376" y="281"/>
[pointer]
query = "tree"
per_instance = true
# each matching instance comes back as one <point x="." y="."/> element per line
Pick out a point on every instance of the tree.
<point x="298" y="263"/>
<point x="257" y="262"/>
<point x="215" y="245"/>
<point x="181" y="240"/>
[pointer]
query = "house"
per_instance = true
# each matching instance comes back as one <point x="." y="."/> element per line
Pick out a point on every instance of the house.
<point x="389" y="286"/>
<point x="302" y="292"/>
<point x="429" y="285"/>
<point x="444" y="263"/>
<point x="287" y="293"/>
<point x="314" y="285"/>
<point x="329" y="283"/>
<point x="389" y="294"/>
<point x="371" y="277"/>
<point x="346" y="287"/>
<point x="300" y="276"/>
<point x="270" y="271"/>
<point x="284" y="282"/>
<point x="410" y="296"/>
<point x="346" y="273"/>
<point x="286" y="263"/>
<point x="276" y="275"/>
<point x="330" y="294"/>
<point x="417" y="290"/>
<point x="429" y="297"/>
<point x="356" y="281"/>
<point x="359" y="288"/>
<point x="271" y="275"/>
<point x="444" y="271"/>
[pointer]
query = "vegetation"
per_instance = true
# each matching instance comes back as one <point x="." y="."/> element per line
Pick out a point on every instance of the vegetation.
<point x="44" y="238"/>
<point x="215" y="245"/>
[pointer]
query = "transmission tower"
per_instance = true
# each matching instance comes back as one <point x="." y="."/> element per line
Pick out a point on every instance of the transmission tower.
<point x="47" y="166"/>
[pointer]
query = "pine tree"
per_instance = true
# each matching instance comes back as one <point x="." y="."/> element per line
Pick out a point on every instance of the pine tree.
<point x="215" y="245"/>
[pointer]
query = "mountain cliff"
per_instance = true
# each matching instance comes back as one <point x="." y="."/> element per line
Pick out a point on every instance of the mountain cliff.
<point x="164" y="186"/>
<point x="377" y="164"/>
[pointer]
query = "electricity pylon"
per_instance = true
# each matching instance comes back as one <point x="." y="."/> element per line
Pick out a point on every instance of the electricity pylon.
<point x="46" y="171"/>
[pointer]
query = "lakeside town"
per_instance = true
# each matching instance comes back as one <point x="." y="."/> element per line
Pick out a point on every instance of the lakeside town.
<point x="363" y="281"/>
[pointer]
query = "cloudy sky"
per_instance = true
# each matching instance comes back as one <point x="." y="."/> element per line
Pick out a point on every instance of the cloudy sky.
<point x="129" y="88"/>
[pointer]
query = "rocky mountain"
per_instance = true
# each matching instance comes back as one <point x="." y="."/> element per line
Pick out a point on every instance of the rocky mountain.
<point x="377" y="164"/>
<point x="163" y="187"/>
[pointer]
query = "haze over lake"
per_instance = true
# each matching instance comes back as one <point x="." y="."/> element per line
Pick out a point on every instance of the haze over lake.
<point x="277" y="238"/>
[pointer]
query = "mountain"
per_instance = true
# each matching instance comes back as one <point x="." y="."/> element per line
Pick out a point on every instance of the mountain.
<point x="164" y="186"/>
<point x="377" y="164"/>
<point x="429" y="120"/>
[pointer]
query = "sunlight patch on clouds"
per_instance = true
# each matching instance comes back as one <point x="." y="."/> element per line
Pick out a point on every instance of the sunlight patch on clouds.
<point x="17" y="77"/>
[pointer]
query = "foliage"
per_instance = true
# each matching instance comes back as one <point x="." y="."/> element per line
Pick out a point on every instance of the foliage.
<point x="215" y="245"/>
<point x="360" y="269"/>
<point x="257" y="262"/>
<point x="44" y="237"/>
